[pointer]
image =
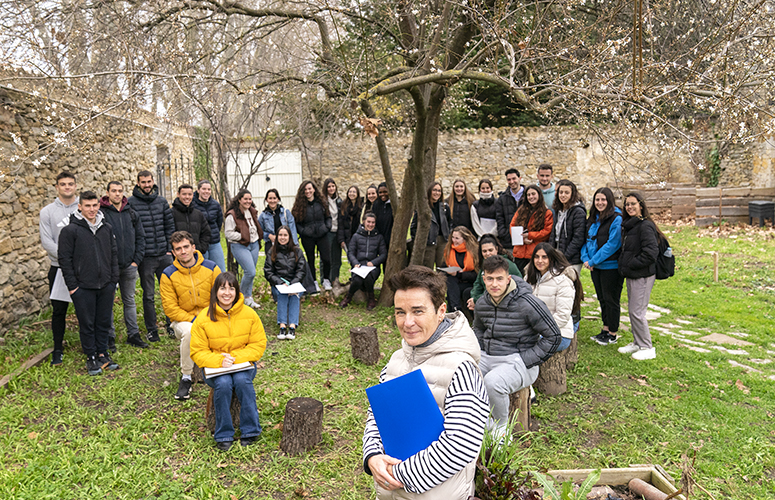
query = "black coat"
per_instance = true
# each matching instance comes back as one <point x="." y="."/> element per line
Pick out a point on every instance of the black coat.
<point x="316" y="222"/>
<point x="640" y="248"/>
<point x="128" y="230"/>
<point x="384" y="212"/>
<point x="573" y="234"/>
<point x="188" y="218"/>
<point x="213" y="212"/>
<point x="287" y="265"/>
<point x="88" y="260"/>
<point x="156" y="216"/>
<point x="348" y="223"/>
<point x="461" y="215"/>
<point x="436" y="228"/>
<point x="365" y="247"/>
<point x="505" y="208"/>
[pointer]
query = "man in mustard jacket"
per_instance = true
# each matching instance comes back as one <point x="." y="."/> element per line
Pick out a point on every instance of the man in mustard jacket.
<point x="185" y="292"/>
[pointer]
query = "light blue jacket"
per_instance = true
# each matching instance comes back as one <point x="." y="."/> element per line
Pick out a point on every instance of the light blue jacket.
<point x="266" y="221"/>
<point x="597" y="257"/>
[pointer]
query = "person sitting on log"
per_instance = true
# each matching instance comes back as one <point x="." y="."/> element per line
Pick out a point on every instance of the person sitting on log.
<point x="367" y="248"/>
<point x="285" y="265"/>
<point x="226" y="334"/>
<point x="516" y="333"/>
<point x="556" y="283"/>
<point x="444" y="347"/>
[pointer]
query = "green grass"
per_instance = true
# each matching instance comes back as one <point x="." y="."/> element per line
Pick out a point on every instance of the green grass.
<point x="64" y="434"/>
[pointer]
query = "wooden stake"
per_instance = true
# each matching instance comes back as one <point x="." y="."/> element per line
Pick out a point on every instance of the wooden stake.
<point x="715" y="265"/>
<point x="26" y="366"/>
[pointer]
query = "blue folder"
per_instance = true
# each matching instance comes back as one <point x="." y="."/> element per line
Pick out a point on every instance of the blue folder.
<point x="407" y="415"/>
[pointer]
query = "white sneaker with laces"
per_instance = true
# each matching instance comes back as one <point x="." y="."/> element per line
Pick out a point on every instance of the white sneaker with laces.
<point x="629" y="348"/>
<point x="252" y="303"/>
<point x="645" y="353"/>
<point x="327" y="285"/>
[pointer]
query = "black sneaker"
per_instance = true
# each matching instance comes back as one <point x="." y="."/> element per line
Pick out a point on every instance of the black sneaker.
<point x="106" y="363"/>
<point x="602" y="338"/>
<point x="170" y="332"/>
<point x="92" y="366"/>
<point x="248" y="441"/>
<point x="56" y="358"/>
<point x="153" y="336"/>
<point x="184" y="390"/>
<point x="612" y="339"/>
<point x="223" y="445"/>
<point x="136" y="341"/>
<point x="112" y="344"/>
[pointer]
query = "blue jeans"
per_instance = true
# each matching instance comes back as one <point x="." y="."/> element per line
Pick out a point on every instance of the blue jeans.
<point x="564" y="344"/>
<point x="247" y="257"/>
<point x="127" y="279"/>
<point x="242" y="384"/>
<point x="288" y="307"/>
<point x="215" y="253"/>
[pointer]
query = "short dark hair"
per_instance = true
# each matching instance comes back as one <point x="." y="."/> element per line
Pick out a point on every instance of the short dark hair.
<point x="114" y="183"/>
<point x="545" y="166"/>
<point x="185" y="186"/>
<point x="513" y="171"/>
<point x="144" y="173"/>
<point x="421" y="277"/>
<point x="64" y="175"/>
<point x="88" y="195"/>
<point x="179" y="236"/>
<point x="493" y="263"/>
<point x="219" y="281"/>
<point x="202" y="182"/>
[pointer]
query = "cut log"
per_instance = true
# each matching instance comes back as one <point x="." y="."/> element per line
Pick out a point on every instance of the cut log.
<point x="197" y="376"/>
<point x="364" y="344"/>
<point x="302" y="425"/>
<point x="520" y="402"/>
<point x="551" y="375"/>
<point x="572" y="358"/>
<point x="234" y="408"/>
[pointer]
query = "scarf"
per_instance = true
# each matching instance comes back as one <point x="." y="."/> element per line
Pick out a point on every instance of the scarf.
<point x="468" y="260"/>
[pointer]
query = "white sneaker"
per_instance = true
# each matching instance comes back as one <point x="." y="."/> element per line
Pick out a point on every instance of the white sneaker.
<point x="252" y="303"/>
<point x="629" y="348"/>
<point x="645" y="353"/>
<point x="327" y="285"/>
<point x="281" y="336"/>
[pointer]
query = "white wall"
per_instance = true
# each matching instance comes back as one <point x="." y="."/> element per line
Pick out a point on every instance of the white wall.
<point x="281" y="170"/>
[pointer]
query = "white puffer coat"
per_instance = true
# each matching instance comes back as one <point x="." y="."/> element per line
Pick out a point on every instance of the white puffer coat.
<point x="557" y="292"/>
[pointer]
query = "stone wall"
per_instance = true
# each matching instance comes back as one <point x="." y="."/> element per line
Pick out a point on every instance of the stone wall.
<point x="589" y="159"/>
<point x="34" y="147"/>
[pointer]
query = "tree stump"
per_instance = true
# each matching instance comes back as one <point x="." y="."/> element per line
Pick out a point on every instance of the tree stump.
<point x="520" y="402"/>
<point x="572" y="358"/>
<point x="551" y="375"/>
<point x="234" y="408"/>
<point x="197" y="376"/>
<point x="302" y="425"/>
<point x="364" y="344"/>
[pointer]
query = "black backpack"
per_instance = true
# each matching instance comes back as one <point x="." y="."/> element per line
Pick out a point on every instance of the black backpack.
<point x="665" y="259"/>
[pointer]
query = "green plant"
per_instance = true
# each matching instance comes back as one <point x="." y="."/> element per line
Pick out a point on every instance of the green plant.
<point x="202" y="155"/>
<point x="566" y="492"/>
<point x="713" y="174"/>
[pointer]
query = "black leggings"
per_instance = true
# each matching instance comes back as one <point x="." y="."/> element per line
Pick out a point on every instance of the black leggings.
<point x="608" y="287"/>
<point x="323" y="247"/>
<point x="366" y="284"/>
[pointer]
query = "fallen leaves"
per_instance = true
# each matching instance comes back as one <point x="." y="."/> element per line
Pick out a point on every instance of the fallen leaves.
<point x="742" y="387"/>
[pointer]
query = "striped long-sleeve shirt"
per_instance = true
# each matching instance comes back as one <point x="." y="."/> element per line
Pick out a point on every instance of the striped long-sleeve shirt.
<point x="466" y="409"/>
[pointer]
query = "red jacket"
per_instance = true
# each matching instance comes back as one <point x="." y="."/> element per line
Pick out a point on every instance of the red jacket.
<point x="526" y="251"/>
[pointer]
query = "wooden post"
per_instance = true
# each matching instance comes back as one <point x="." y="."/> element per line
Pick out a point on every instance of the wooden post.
<point x="551" y="375"/>
<point x="302" y="425"/>
<point x="520" y="402"/>
<point x="720" y="204"/>
<point x="234" y="409"/>
<point x="715" y="265"/>
<point x="364" y="344"/>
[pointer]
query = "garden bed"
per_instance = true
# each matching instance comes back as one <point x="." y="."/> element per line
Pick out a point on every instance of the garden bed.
<point x="654" y="475"/>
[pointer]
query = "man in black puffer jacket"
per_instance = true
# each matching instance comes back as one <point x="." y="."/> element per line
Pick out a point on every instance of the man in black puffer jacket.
<point x="130" y="241"/>
<point x="367" y="248"/>
<point x="188" y="218"/>
<point x="88" y="258"/>
<point x="516" y="333"/>
<point x="158" y="223"/>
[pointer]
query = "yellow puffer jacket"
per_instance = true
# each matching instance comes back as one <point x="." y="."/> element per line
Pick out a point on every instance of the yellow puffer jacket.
<point x="238" y="332"/>
<point x="185" y="291"/>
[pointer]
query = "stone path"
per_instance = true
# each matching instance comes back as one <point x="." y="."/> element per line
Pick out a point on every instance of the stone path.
<point x="740" y="353"/>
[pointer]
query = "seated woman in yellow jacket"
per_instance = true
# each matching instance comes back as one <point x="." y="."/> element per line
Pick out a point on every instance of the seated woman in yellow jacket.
<point x="226" y="334"/>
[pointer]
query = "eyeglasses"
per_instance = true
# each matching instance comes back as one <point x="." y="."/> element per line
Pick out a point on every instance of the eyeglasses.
<point x="631" y="204"/>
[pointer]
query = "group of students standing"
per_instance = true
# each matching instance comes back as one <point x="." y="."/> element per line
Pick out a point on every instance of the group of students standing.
<point x="546" y="232"/>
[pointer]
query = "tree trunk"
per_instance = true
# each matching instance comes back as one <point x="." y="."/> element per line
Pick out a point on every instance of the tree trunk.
<point x="364" y="344"/>
<point x="520" y="402"/>
<point x="551" y="375"/>
<point x="572" y="358"/>
<point x="302" y="426"/>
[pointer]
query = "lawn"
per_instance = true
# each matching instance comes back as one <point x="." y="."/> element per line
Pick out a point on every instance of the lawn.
<point x="122" y="435"/>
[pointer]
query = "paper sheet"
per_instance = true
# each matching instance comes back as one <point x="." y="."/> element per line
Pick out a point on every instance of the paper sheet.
<point x="59" y="291"/>
<point x="449" y="270"/>
<point x="362" y="271"/>
<point x="516" y="236"/>
<point x="239" y="367"/>
<point x="288" y="289"/>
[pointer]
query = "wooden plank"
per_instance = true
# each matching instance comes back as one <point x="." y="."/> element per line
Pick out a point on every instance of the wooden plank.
<point x="684" y="200"/>
<point x="707" y="221"/>
<point x="620" y="477"/>
<point x="684" y="208"/>
<point x="725" y="211"/>
<point x="763" y="192"/>
<point x="744" y="192"/>
<point x="685" y="191"/>
<point x="35" y="361"/>
<point x="729" y="202"/>
<point x="707" y="192"/>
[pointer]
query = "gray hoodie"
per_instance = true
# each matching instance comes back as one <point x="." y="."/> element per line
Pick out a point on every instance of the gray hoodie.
<point x="53" y="218"/>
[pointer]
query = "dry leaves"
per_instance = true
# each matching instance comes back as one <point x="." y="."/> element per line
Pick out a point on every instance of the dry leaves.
<point x="370" y="126"/>
<point x="742" y="387"/>
<point x="32" y="435"/>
